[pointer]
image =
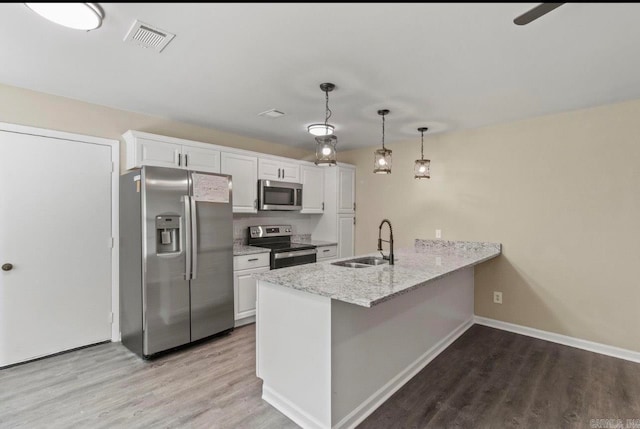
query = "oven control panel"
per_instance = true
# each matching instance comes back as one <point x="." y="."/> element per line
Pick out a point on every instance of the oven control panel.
<point x="261" y="231"/>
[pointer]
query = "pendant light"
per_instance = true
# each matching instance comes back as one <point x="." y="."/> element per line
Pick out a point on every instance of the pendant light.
<point x="326" y="150"/>
<point x="422" y="167"/>
<point x="325" y="129"/>
<point x="325" y="141"/>
<point x="79" y="16"/>
<point x="382" y="157"/>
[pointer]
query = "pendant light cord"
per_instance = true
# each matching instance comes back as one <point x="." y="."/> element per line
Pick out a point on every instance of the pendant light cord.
<point x="422" y="146"/>
<point x="383" y="148"/>
<point x="327" y="110"/>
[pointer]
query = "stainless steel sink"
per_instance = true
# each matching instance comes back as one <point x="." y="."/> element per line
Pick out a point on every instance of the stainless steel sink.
<point x="365" y="262"/>
<point x="370" y="260"/>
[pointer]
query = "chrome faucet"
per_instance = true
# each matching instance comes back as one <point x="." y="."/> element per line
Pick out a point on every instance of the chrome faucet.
<point x="380" y="240"/>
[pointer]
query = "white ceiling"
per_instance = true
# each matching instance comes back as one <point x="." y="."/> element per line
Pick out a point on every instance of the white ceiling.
<point x="446" y="66"/>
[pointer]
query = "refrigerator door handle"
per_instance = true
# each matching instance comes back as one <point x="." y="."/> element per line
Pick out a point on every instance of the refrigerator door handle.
<point x="194" y="239"/>
<point x="187" y="236"/>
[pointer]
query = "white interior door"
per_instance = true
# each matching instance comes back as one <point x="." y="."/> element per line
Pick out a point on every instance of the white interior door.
<point x="55" y="229"/>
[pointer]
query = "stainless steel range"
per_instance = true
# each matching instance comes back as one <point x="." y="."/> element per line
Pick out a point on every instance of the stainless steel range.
<point x="283" y="252"/>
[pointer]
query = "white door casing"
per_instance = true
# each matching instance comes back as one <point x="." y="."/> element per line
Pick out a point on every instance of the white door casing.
<point x="58" y="229"/>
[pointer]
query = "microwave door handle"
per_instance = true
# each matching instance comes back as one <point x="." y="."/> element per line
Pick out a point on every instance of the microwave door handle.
<point x="194" y="239"/>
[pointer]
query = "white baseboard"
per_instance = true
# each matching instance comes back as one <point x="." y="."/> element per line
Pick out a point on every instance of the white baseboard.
<point x="355" y="417"/>
<point x="245" y="321"/>
<point x="560" y="339"/>
<point x="290" y="410"/>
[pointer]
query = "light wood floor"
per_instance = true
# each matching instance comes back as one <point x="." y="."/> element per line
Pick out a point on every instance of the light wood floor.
<point x="211" y="385"/>
<point x="486" y="379"/>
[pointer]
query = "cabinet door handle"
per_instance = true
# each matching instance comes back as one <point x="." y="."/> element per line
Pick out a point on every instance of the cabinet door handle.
<point x="279" y="173"/>
<point x="327" y="250"/>
<point x="354" y="207"/>
<point x="253" y="259"/>
<point x="322" y="206"/>
<point x="179" y="159"/>
<point x="186" y="160"/>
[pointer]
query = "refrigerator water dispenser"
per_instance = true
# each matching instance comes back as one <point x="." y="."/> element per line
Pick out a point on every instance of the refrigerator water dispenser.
<point x="168" y="234"/>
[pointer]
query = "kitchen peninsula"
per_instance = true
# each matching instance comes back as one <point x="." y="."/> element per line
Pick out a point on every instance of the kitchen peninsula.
<point x="334" y="342"/>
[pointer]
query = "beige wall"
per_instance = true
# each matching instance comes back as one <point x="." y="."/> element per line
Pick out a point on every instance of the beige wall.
<point x="560" y="192"/>
<point x="24" y="107"/>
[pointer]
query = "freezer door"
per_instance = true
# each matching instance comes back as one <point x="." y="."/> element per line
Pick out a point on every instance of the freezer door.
<point x="165" y="292"/>
<point x="212" y="279"/>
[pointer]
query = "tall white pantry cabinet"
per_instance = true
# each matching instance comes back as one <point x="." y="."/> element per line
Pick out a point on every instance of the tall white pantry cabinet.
<point x="338" y="222"/>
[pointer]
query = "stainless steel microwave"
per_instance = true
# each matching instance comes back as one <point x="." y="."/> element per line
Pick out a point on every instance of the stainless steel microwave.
<point x="274" y="195"/>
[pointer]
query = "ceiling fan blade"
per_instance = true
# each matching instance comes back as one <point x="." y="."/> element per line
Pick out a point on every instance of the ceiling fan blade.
<point x="536" y="13"/>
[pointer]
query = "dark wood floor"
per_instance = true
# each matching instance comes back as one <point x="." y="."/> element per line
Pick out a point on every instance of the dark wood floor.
<point x="486" y="379"/>
<point x="494" y="379"/>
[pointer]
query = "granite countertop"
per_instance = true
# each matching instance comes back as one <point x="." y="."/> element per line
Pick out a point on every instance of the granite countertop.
<point x="243" y="249"/>
<point x="414" y="267"/>
<point x="318" y="243"/>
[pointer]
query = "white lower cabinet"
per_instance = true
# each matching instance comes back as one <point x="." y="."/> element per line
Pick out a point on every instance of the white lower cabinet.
<point x="244" y="285"/>
<point x="326" y="253"/>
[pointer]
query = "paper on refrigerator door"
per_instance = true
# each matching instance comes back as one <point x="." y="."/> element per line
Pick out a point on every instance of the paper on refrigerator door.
<point x="214" y="189"/>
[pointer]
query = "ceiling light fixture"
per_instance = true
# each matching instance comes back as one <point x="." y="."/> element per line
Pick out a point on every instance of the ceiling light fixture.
<point x="79" y="16"/>
<point x="382" y="157"/>
<point x="325" y="129"/>
<point x="325" y="141"/>
<point x="326" y="150"/>
<point x="422" y="167"/>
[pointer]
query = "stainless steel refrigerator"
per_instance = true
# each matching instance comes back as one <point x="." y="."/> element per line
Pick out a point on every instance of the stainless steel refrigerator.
<point x="176" y="258"/>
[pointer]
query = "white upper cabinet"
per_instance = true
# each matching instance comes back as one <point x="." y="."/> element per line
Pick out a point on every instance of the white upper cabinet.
<point x="277" y="170"/>
<point x="346" y="189"/>
<point x="148" y="149"/>
<point x="151" y="152"/>
<point x="312" y="189"/>
<point x="244" y="170"/>
<point x="196" y="158"/>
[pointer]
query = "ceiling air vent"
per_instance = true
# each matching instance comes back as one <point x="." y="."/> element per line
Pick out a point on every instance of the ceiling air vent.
<point x="148" y="36"/>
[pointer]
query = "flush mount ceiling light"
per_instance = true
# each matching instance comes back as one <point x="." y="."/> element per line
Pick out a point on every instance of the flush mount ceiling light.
<point x="325" y="129"/>
<point x="422" y="167"/>
<point x="79" y="16"/>
<point x="382" y="157"/>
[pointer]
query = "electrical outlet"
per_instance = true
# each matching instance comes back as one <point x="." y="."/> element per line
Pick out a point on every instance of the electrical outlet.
<point x="497" y="297"/>
<point x="438" y="261"/>
<point x="438" y="233"/>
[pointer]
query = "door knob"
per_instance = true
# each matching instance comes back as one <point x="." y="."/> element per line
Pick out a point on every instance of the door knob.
<point x="7" y="267"/>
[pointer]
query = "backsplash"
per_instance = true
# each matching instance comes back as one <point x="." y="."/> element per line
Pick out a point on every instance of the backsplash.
<point x="301" y="224"/>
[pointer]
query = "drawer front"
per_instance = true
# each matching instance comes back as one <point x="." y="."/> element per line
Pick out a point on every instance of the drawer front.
<point x="245" y="262"/>
<point x="327" y="252"/>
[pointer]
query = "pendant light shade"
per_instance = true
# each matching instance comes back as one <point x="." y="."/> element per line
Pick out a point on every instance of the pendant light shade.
<point x="325" y="140"/>
<point x="423" y="166"/>
<point x="382" y="157"/>
<point x="326" y="150"/>
<point x="79" y="16"/>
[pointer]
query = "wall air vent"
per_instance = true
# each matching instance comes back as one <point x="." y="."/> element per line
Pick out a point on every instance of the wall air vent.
<point x="148" y="36"/>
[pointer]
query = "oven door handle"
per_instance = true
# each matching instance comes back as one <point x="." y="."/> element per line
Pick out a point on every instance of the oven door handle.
<point x="283" y="255"/>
